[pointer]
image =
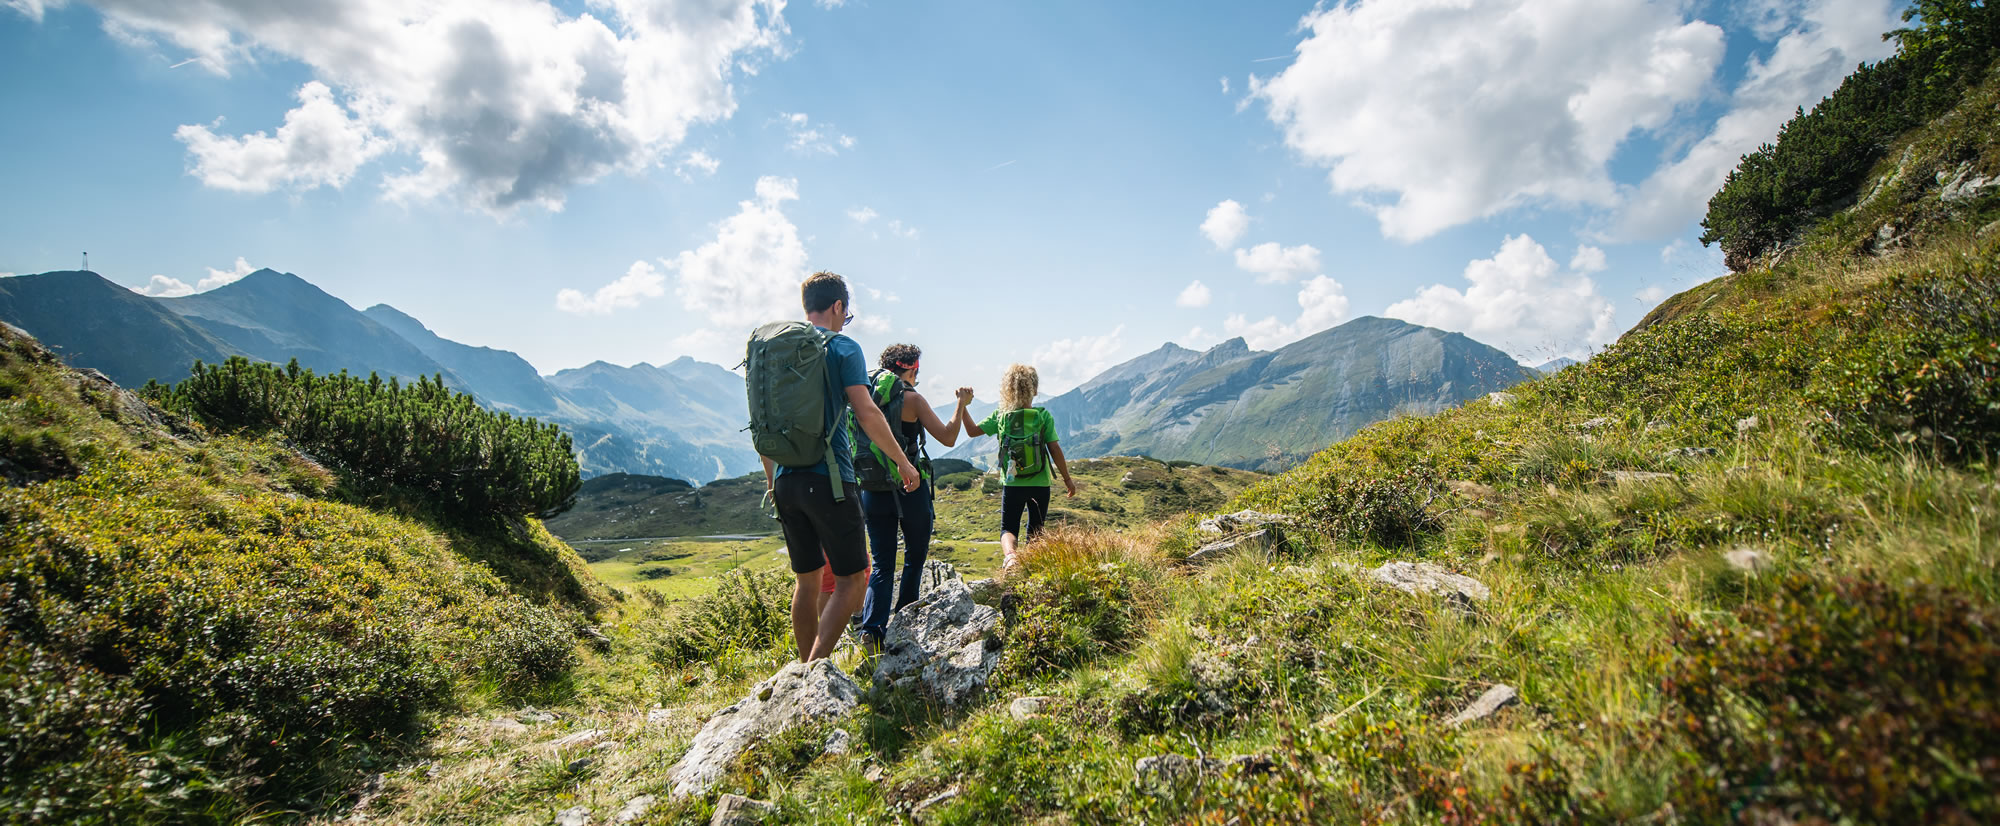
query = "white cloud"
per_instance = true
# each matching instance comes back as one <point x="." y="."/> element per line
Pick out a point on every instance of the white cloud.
<point x="1278" y="264"/>
<point x="1322" y="304"/>
<point x="1199" y="339"/>
<point x="319" y="145"/>
<point x="640" y="282"/>
<point x="1519" y="300"/>
<point x="696" y="162"/>
<point x="1196" y="295"/>
<point x="161" y="286"/>
<point x="1588" y="259"/>
<point x="1651" y="295"/>
<point x="898" y="227"/>
<point x="862" y="215"/>
<point x="811" y="140"/>
<point x="1068" y="362"/>
<point x="1225" y="224"/>
<point x="829" y="4"/>
<point x="865" y="216"/>
<point x="1805" y="65"/>
<point x="751" y="272"/>
<point x="1459" y="109"/>
<point x="1225" y="84"/>
<point x="499" y="102"/>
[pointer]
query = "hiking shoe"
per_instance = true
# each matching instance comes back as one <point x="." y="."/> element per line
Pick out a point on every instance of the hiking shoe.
<point x="871" y="643"/>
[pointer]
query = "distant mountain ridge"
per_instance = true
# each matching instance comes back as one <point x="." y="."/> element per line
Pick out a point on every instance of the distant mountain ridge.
<point x="1234" y="406"/>
<point x="681" y="421"/>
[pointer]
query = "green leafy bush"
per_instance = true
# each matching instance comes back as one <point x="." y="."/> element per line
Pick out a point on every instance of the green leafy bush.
<point x="959" y="481"/>
<point x="527" y="647"/>
<point x="1850" y="701"/>
<point x="1070" y="616"/>
<point x="1393" y="511"/>
<point x="1928" y="369"/>
<point x="745" y="611"/>
<point x="422" y="437"/>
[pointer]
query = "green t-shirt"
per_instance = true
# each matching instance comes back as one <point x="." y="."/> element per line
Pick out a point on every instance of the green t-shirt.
<point x="991" y="426"/>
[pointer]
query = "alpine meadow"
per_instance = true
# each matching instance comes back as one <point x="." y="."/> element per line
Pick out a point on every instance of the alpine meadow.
<point x="265" y="558"/>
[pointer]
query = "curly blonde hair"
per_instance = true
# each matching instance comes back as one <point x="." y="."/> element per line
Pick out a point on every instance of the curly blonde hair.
<point x="1018" y="387"/>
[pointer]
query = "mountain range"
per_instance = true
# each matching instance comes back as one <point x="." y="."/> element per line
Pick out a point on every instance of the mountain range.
<point x="1227" y="405"/>
<point x="682" y="420"/>
<point x="1237" y="407"/>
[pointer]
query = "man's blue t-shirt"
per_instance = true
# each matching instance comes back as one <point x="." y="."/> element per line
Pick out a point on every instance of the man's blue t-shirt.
<point x="845" y="367"/>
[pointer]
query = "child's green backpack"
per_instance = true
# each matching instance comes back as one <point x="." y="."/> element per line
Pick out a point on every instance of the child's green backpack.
<point x="1023" y="450"/>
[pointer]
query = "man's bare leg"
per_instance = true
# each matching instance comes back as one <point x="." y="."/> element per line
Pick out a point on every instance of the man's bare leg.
<point x="805" y="612"/>
<point x="847" y="593"/>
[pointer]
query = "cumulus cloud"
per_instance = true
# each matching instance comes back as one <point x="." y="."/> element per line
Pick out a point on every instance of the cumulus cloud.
<point x="862" y="215"/>
<point x="750" y="273"/>
<point x="500" y="103"/>
<point x="814" y="140"/>
<point x="866" y="216"/>
<point x="1436" y="113"/>
<point x="640" y="282"/>
<point x="1278" y="264"/>
<point x="161" y="286"/>
<point x="1196" y="295"/>
<point x="696" y="162"/>
<point x="1806" y="64"/>
<point x="1225" y="224"/>
<point x="1225" y="84"/>
<point x="1521" y="301"/>
<point x="1066" y="363"/>
<point x="319" y="145"/>
<point x="1651" y="295"/>
<point x="1322" y="304"/>
<point x="1588" y="259"/>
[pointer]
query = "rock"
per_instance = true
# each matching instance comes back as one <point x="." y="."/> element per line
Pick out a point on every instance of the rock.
<point x="935" y="799"/>
<point x="657" y="716"/>
<point x="1026" y="708"/>
<point x="1747" y="424"/>
<point x="1472" y="490"/>
<point x="1269" y="539"/>
<point x="1690" y="453"/>
<point x="836" y="742"/>
<point x="534" y="717"/>
<point x="1428" y="578"/>
<point x="1488" y="704"/>
<point x="607" y="745"/>
<point x="634" y="809"/>
<point x="1637" y="477"/>
<point x="581" y="738"/>
<point x="1748" y="560"/>
<point x="1657" y="425"/>
<point x="1965" y="185"/>
<point x="799" y="694"/>
<point x="1598" y="423"/>
<point x="1163" y="771"/>
<point x="580" y="765"/>
<point x="945" y="640"/>
<point x="1244" y="520"/>
<point x="737" y="810"/>
<point x="1499" y="399"/>
<point x="508" y="725"/>
<point x="574" y="816"/>
<point x="596" y="637"/>
<point x="984" y="591"/>
<point x="874" y="774"/>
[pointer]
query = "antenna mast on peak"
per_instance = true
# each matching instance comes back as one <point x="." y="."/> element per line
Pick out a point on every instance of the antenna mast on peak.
<point x="86" y="262"/>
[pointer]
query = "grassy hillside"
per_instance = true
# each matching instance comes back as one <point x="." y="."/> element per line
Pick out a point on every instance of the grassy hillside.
<point x="1742" y="568"/>
<point x="201" y="628"/>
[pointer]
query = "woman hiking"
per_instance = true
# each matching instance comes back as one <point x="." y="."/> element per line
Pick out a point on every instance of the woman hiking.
<point x="1028" y="448"/>
<point x="888" y="508"/>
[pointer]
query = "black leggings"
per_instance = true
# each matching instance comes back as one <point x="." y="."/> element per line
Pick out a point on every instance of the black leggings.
<point x="1016" y="498"/>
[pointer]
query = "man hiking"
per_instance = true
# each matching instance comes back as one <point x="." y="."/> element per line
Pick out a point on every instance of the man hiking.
<point x="1028" y="448"/>
<point x="889" y="510"/>
<point x="792" y="422"/>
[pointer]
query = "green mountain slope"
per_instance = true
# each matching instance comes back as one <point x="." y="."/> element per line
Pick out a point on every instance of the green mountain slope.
<point x="499" y="378"/>
<point x="276" y="317"/>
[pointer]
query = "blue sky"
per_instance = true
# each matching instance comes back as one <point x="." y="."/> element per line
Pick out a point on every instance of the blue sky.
<point x="1067" y="183"/>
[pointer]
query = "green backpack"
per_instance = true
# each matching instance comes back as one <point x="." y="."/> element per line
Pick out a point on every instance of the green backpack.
<point x="787" y="382"/>
<point x="872" y="468"/>
<point x="1023" y="451"/>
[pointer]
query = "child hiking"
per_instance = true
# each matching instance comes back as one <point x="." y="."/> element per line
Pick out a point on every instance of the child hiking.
<point x="802" y="379"/>
<point x="889" y="509"/>
<point x="1028" y="449"/>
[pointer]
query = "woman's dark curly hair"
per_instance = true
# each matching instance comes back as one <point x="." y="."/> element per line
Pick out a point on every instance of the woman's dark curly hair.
<point x="896" y="355"/>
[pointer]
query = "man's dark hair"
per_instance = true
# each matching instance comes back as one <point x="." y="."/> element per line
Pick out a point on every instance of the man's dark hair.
<point x="898" y="357"/>
<point x="822" y="289"/>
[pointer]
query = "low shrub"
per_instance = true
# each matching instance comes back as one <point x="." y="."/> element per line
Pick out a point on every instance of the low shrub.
<point x="745" y="611"/>
<point x="1081" y="594"/>
<point x="1928" y="371"/>
<point x="527" y="647"/>
<point x="1390" y="511"/>
<point x="1850" y="701"/>
<point x="959" y="481"/>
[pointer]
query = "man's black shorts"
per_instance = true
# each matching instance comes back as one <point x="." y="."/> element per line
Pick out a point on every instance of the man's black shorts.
<point x="1017" y="498"/>
<point x="814" y="523"/>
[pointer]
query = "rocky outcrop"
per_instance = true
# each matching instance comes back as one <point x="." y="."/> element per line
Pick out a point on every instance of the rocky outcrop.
<point x="1240" y="531"/>
<point x="1266" y="539"/>
<point x="1488" y="704"/>
<point x="944" y="645"/>
<point x="1166" y="771"/>
<point x="799" y="694"/>
<point x="1429" y="578"/>
<point x="1241" y="522"/>
<point x="737" y="810"/>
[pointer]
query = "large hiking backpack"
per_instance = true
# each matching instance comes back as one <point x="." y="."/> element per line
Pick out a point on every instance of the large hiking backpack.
<point x="872" y="469"/>
<point x="787" y="383"/>
<point x="1023" y="451"/>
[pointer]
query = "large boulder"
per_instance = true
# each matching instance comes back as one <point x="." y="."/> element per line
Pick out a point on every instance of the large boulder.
<point x="1429" y="578"/>
<point x="1269" y="539"/>
<point x="1241" y="521"/>
<point x="799" y="694"/>
<point x="944" y="643"/>
<point x="1489" y="703"/>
